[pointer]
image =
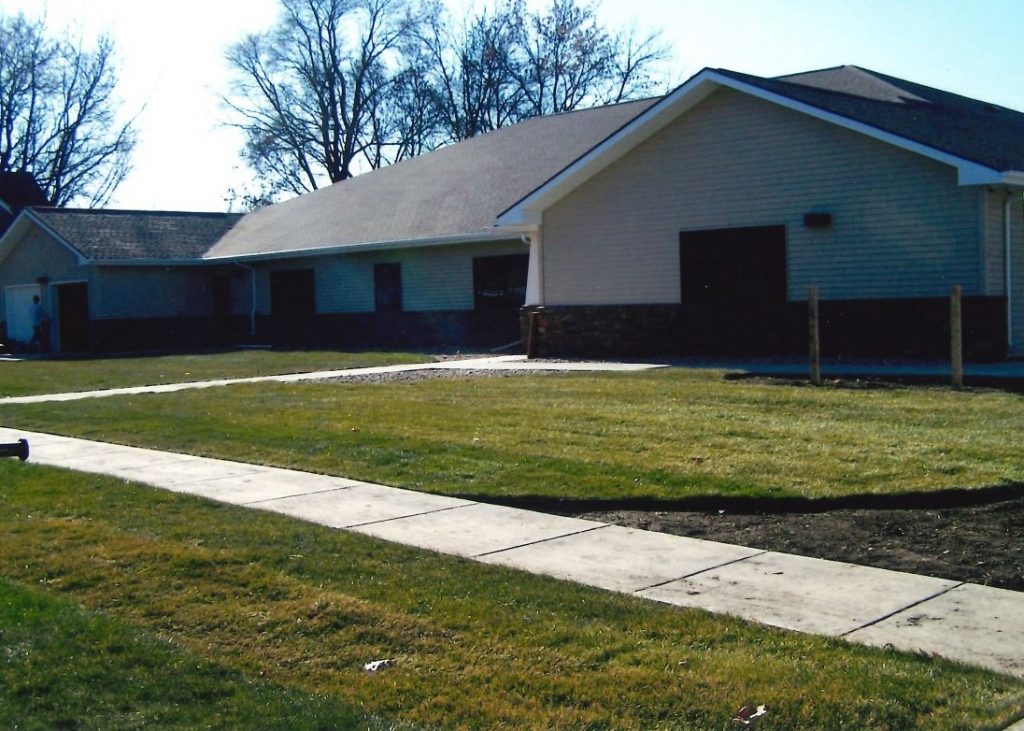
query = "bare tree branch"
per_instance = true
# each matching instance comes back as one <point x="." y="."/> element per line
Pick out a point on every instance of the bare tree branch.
<point x="58" y="114"/>
<point x="342" y="85"/>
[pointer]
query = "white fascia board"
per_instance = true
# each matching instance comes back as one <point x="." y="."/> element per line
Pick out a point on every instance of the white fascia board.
<point x="484" y="237"/>
<point x="969" y="172"/>
<point x="20" y="228"/>
<point x="530" y="209"/>
<point x="1014" y="178"/>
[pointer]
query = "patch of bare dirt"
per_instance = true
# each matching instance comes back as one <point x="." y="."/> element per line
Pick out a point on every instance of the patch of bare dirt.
<point x="982" y="544"/>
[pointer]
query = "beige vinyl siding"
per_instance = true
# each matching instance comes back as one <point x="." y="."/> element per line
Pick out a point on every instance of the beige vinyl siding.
<point x="38" y="255"/>
<point x="436" y="278"/>
<point x="993" y="262"/>
<point x="1017" y="259"/>
<point x="150" y="291"/>
<point x="901" y="225"/>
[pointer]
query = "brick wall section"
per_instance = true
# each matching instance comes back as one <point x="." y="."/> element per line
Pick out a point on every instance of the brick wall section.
<point x="895" y="328"/>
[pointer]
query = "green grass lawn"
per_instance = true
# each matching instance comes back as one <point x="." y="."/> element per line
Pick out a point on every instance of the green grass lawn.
<point x="20" y="378"/>
<point x="64" y="667"/>
<point x="663" y="435"/>
<point x="254" y="610"/>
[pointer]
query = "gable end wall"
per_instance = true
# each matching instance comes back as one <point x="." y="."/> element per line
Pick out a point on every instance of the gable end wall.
<point x="36" y="255"/>
<point x="901" y="225"/>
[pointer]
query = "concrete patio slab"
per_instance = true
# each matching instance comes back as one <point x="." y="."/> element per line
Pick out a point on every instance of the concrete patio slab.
<point x="620" y="559"/>
<point x="267" y="484"/>
<point x="801" y="593"/>
<point x="476" y="529"/>
<point x="358" y="505"/>
<point x="974" y="624"/>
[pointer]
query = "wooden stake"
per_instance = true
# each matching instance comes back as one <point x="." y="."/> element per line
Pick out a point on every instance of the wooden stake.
<point x="956" y="351"/>
<point x="531" y="336"/>
<point x="814" y="335"/>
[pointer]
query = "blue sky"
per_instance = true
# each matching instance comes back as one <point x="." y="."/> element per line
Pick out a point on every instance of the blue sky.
<point x="173" y="73"/>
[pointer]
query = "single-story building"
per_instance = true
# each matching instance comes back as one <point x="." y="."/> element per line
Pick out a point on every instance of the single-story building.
<point x="693" y="223"/>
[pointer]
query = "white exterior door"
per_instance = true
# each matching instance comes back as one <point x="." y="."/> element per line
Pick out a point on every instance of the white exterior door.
<point x="18" y="306"/>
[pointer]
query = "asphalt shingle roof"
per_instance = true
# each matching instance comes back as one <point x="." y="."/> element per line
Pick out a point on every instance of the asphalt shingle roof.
<point x="972" y="130"/>
<point x="459" y="190"/>
<point x="454" y="191"/>
<point x="109" y="234"/>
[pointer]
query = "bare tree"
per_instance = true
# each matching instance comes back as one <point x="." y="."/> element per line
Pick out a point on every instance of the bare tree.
<point x="342" y="85"/>
<point x="307" y="91"/>
<point x="473" y="69"/>
<point x="508" y="63"/>
<point x="569" y="60"/>
<point x="58" y="114"/>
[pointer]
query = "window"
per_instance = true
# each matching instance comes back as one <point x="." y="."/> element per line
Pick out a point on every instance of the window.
<point x="292" y="293"/>
<point x="387" y="287"/>
<point x="733" y="265"/>
<point x="499" y="282"/>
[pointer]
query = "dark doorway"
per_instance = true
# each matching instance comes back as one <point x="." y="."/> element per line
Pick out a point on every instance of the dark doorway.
<point x="499" y="282"/>
<point x="387" y="287"/>
<point x="73" y="316"/>
<point x="733" y="265"/>
<point x="222" y="308"/>
<point x="292" y="293"/>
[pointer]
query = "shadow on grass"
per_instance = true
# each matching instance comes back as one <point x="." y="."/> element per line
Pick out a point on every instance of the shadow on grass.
<point x="1009" y="384"/>
<point x="937" y="500"/>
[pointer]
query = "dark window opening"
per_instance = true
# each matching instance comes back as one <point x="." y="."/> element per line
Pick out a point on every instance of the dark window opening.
<point x="387" y="287"/>
<point x="733" y="265"/>
<point x="499" y="282"/>
<point x="292" y="293"/>
<point x="221" y="296"/>
<point x="73" y="316"/>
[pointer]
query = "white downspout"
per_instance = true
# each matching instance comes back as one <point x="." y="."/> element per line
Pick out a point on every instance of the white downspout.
<point x="1008" y="267"/>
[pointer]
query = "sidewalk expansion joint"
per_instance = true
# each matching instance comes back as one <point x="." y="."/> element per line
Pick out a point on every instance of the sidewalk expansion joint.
<point x="702" y="571"/>
<point x="540" y="540"/>
<point x="410" y="515"/>
<point x="918" y="603"/>
<point x="289" y="497"/>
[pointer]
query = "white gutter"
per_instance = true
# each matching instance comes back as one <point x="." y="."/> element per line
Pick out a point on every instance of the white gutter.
<point x="475" y="238"/>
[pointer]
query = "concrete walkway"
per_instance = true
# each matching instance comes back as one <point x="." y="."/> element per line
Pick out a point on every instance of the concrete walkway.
<point x="966" y="622"/>
<point x="496" y="363"/>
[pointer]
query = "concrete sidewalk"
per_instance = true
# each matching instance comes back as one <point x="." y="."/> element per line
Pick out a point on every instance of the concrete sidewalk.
<point x="496" y="363"/>
<point x="966" y="622"/>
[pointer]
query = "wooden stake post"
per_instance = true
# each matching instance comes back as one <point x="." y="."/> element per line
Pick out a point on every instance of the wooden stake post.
<point x="956" y="350"/>
<point x="814" y="335"/>
<point x="533" y="323"/>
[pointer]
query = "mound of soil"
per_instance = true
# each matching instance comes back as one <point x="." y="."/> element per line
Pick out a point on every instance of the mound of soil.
<point x="982" y="544"/>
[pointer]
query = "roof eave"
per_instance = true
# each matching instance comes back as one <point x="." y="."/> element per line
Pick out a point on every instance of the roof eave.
<point x="969" y="172"/>
<point x="482" y="237"/>
<point x="1013" y="178"/>
<point x="148" y="261"/>
<point x="21" y="226"/>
